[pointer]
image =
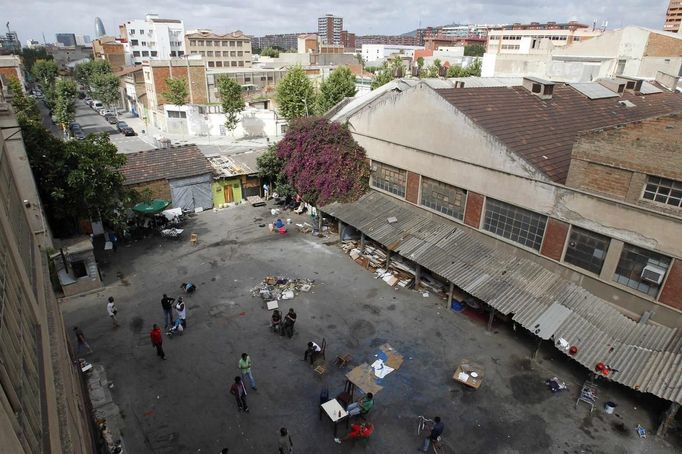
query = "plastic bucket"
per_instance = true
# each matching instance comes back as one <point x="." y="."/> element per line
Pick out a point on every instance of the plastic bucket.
<point x="456" y="306"/>
<point x="609" y="408"/>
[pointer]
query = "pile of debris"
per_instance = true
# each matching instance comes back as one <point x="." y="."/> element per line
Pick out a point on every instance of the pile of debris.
<point x="281" y="288"/>
<point x="373" y="258"/>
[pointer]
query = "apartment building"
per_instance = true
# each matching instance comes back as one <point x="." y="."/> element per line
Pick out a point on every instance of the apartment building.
<point x="673" y="17"/>
<point x="109" y="49"/>
<point x="154" y="38"/>
<point x="329" y="28"/>
<point x="377" y="53"/>
<point x="525" y="38"/>
<point x="284" y="41"/>
<point x="231" y="50"/>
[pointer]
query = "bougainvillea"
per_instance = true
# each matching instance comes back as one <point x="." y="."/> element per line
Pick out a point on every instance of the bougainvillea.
<point x="323" y="162"/>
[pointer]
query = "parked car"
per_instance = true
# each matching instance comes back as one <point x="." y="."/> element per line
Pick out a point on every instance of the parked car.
<point x="121" y="124"/>
<point x="123" y="128"/>
<point x="87" y="100"/>
<point x="74" y="126"/>
<point x="78" y="134"/>
<point x="111" y="118"/>
<point x="104" y="111"/>
<point x="97" y="104"/>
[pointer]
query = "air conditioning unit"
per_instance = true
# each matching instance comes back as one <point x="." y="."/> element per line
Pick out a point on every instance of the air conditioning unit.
<point x="653" y="273"/>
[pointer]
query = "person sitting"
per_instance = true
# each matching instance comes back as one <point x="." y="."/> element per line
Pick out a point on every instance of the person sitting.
<point x="276" y="323"/>
<point x="434" y="435"/>
<point x="361" y="407"/>
<point x="363" y="430"/>
<point x="181" y="320"/>
<point x="188" y="287"/>
<point x="312" y="351"/>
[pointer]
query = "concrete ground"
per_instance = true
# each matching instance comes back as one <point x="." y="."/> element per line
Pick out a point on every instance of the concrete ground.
<point x="183" y="405"/>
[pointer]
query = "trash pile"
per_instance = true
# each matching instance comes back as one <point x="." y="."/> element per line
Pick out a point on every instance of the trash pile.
<point x="555" y="385"/>
<point x="281" y="288"/>
<point x="373" y="258"/>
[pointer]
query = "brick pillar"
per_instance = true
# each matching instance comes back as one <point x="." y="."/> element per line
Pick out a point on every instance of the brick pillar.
<point x="555" y="238"/>
<point x="671" y="295"/>
<point x="474" y="208"/>
<point x="412" y="192"/>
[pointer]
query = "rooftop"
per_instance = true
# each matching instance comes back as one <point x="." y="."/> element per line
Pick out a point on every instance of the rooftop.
<point x="165" y="164"/>
<point x="238" y="34"/>
<point x="235" y="164"/>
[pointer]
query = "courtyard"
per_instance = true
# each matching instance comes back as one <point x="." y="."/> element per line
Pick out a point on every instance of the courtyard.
<point x="183" y="405"/>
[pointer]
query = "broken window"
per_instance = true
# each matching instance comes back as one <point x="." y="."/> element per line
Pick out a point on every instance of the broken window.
<point x="514" y="223"/>
<point x="388" y="178"/>
<point x="586" y="249"/>
<point x="79" y="269"/>
<point x="663" y="190"/>
<point x="641" y="269"/>
<point x="443" y="197"/>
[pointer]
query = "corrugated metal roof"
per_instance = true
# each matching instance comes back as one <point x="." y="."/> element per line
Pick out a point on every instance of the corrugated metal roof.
<point x="594" y="90"/>
<point x="488" y="82"/>
<point x="648" y="89"/>
<point x="645" y="357"/>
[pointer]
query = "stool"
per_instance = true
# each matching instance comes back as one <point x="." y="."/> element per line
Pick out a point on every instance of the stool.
<point x="194" y="239"/>
<point x="343" y="360"/>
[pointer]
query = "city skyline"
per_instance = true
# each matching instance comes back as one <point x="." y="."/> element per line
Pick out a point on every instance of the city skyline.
<point x="363" y="18"/>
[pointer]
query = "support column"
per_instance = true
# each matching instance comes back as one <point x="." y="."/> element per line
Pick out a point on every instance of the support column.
<point x="417" y="275"/>
<point x="388" y="258"/>
<point x="362" y="241"/>
<point x="668" y="418"/>
<point x="452" y="289"/>
<point x="340" y="231"/>
<point x="490" y="319"/>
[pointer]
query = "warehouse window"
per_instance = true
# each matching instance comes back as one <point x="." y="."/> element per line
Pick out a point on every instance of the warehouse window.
<point x="663" y="190"/>
<point x="641" y="269"/>
<point x="586" y="249"/>
<point x="388" y="178"/>
<point x="514" y="223"/>
<point x="442" y="197"/>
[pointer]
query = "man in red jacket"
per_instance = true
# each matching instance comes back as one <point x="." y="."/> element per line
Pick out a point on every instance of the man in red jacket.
<point x="157" y="341"/>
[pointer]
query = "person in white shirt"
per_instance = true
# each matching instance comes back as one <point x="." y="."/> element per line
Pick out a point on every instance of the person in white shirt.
<point x="313" y="350"/>
<point x="181" y="319"/>
<point x="111" y="309"/>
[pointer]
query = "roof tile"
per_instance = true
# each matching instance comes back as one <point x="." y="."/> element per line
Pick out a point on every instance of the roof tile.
<point x="165" y="164"/>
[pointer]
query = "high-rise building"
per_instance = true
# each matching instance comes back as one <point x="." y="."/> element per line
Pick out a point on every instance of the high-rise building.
<point x="284" y="41"/>
<point x="154" y="38"/>
<point x="66" y="39"/>
<point x="673" y="17"/>
<point x="99" y="28"/>
<point x="329" y="29"/>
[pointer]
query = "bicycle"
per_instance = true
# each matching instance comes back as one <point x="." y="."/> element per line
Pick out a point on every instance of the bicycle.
<point x="423" y="425"/>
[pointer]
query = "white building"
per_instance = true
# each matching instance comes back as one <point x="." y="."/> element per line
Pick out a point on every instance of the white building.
<point x="154" y="38"/>
<point x="378" y="52"/>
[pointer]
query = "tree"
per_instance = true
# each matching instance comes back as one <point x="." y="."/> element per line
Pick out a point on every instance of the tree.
<point x="64" y="109"/>
<point x="295" y="94"/>
<point x="474" y="69"/>
<point x="23" y="105"/>
<point x="339" y="85"/>
<point x="30" y="56"/>
<point x="231" y="100"/>
<point x="270" y="169"/>
<point x="105" y="87"/>
<point x="432" y="71"/>
<point x="323" y="162"/>
<point x="474" y="50"/>
<point x="177" y="91"/>
<point x="45" y="72"/>
<point x="381" y="78"/>
<point x="420" y="63"/>
<point x="397" y="66"/>
<point x="270" y="52"/>
<point x="87" y="73"/>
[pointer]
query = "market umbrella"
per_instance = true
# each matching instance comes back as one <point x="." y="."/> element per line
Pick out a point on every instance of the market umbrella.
<point x="151" y="207"/>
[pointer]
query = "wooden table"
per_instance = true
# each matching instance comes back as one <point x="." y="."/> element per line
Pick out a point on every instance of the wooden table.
<point x="335" y="411"/>
<point x="469" y="373"/>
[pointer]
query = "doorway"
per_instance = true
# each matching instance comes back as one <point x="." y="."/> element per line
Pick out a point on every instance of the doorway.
<point x="227" y="191"/>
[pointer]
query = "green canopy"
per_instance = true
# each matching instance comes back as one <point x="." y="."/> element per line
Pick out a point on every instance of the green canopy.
<point x="151" y="206"/>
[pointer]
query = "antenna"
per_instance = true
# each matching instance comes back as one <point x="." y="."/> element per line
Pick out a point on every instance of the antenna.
<point x="44" y="40"/>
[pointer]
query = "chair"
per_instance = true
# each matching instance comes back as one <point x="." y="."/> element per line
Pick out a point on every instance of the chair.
<point x="194" y="239"/>
<point x="344" y="359"/>
<point x="323" y="348"/>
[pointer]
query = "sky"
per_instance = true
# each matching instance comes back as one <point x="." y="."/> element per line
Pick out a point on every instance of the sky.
<point x="33" y="18"/>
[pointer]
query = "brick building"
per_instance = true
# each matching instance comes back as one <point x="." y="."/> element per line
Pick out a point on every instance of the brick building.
<point x="329" y="29"/>
<point x="228" y="50"/>
<point x="673" y="16"/>
<point x="400" y="40"/>
<point x="10" y="68"/>
<point x="107" y="48"/>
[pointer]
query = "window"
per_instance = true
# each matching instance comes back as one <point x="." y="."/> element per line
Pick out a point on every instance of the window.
<point x="209" y="53"/>
<point x="240" y="43"/>
<point x="232" y="44"/>
<point x="141" y="32"/>
<point x="388" y="178"/>
<point x="211" y="64"/>
<point x="234" y="63"/>
<point x="219" y="64"/>
<point x="247" y="79"/>
<point x="233" y="53"/>
<point x="209" y="43"/>
<point x="79" y="269"/>
<point x="586" y="249"/>
<point x="132" y="31"/>
<point x="226" y="53"/>
<point x="514" y="223"/>
<point x="621" y="67"/>
<point x="192" y="42"/>
<point x="145" y="53"/>
<point x="200" y="42"/>
<point x="664" y="191"/>
<point x="241" y="63"/>
<point x="202" y="53"/>
<point x="134" y="42"/>
<point x="216" y="43"/>
<point x="136" y="53"/>
<point x="154" y="53"/>
<point x="240" y="54"/>
<point x="641" y="270"/>
<point x="144" y="43"/>
<point x="224" y="43"/>
<point x="173" y="53"/>
<point x="177" y="114"/>
<point x="442" y="197"/>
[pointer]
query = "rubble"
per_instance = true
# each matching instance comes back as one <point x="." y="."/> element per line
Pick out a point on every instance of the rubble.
<point x="275" y="288"/>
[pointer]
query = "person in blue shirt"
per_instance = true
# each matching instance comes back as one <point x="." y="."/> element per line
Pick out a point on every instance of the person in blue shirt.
<point x="436" y="432"/>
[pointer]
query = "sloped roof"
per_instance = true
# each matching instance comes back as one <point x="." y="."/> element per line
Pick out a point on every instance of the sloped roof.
<point x="543" y="131"/>
<point x="165" y="164"/>
<point x="238" y="34"/>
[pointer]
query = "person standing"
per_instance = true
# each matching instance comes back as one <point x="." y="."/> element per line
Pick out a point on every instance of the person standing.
<point x="289" y="321"/>
<point x="82" y="343"/>
<point x="157" y="341"/>
<point x="239" y="392"/>
<point x="436" y="432"/>
<point x="182" y="312"/>
<point x="167" y="305"/>
<point x="111" y="309"/>
<point x="245" y="367"/>
<point x="284" y="444"/>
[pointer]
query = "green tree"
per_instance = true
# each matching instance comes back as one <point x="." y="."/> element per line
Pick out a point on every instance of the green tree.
<point x="432" y="71"/>
<point x="270" y="52"/>
<point x="45" y="72"/>
<point x="231" y="100"/>
<point x="474" y="50"/>
<point x="87" y="73"/>
<point x="30" y="56"/>
<point x="270" y="169"/>
<point x="381" y="78"/>
<point x="339" y="85"/>
<point x="177" y="91"/>
<point x="397" y="66"/>
<point x="295" y="94"/>
<point x="64" y="108"/>
<point x="23" y="105"/>
<point x="474" y="69"/>
<point x="105" y="87"/>
<point x="420" y="63"/>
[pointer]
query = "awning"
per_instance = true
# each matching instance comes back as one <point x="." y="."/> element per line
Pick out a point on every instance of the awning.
<point x="151" y="207"/>
<point x="648" y="357"/>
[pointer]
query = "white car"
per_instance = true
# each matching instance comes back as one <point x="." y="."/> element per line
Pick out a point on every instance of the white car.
<point x="97" y="104"/>
<point x="104" y="111"/>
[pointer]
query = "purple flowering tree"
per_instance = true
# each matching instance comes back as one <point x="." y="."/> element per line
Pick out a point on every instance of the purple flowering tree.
<point x="323" y="162"/>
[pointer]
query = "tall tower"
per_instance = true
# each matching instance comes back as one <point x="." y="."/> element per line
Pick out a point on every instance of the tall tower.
<point x="99" y="28"/>
<point x="673" y="17"/>
<point x="329" y="29"/>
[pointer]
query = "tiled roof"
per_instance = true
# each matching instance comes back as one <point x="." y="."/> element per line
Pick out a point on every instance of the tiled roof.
<point x="543" y="131"/>
<point x="165" y="164"/>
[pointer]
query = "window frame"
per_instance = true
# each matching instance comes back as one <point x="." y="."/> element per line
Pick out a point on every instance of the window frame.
<point x="498" y="212"/>
<point x="585" y="233"/>
<point x="658" y="259"/>
<point x="386" y="184"/>
<point x="672" y="186"/>
<point x="449" y="209"/>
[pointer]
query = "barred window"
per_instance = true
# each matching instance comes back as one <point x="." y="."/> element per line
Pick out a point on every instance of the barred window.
<point x="389" y="178"/>
<point x="641" y="269"/>
<point x="443" y="197"/>
<point x="586" y="249"/>
<point x="663" y="190"/>
<point x="514" y="223"/>
<point x="176" y="114"/>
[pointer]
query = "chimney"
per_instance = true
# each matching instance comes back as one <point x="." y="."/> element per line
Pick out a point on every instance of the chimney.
<point x="541" y="88"/>
<point x="615" y="84"/>
<point x="667" y="81"/>
<point x="632" y="84"/>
